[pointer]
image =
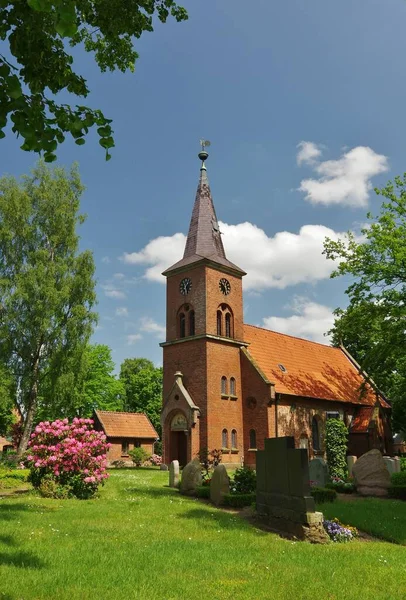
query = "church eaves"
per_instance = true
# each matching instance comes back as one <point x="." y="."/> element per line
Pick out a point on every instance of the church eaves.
<point x="204" y="241"/>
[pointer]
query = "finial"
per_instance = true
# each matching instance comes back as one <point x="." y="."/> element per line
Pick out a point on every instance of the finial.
<point x="203" y="155"/>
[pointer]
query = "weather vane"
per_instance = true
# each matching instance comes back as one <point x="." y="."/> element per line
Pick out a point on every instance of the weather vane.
<point x="204" y="144"/>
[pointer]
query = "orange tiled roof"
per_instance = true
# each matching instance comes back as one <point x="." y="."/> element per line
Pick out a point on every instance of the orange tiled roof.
<point x="125" y="424"/>
<point x="361" y="420"/>
<point x="312" y="370"/>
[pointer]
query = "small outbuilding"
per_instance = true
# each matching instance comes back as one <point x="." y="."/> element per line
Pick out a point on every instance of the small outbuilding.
<point x="125" y="431"/>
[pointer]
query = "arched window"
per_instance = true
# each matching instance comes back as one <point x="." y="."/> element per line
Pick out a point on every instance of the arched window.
<point x="224" y="385"/>
<point x="229" y="332"/>
<point x="224" y="438"/>
<point x="315" y="434"/>
<point x="182" y="325"/>
<point x="253" y="438"/>
<point x="233" y="439"/>
<point x="192" y="322"/>
<point x="219" y="320"/>
<point x="232" y="386"/>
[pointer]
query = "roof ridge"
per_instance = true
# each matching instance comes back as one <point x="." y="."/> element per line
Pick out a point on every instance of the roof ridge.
<point x="120" y="412"/>
<point x="296" y="337"/>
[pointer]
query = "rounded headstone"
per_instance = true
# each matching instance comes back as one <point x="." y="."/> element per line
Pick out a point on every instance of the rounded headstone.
<point x="191" y="478"/>
<point x="371" y="475"/>
<point x="219" y="485"/>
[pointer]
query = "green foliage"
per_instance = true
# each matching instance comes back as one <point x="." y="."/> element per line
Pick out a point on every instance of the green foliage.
<point x="239" y="500"/>
<point x="49" y="488"/>
<point x="321" y="494"/>
<point x="203" y="491"/>
<point x="372" y="327"/>
<point x="142" y="383"/>
<point x="397" y="491"/>
<point x="7" y="399"/>
<point x="139" y="456"/>
<point x="38" y="34"/>
<point x="46" y="285"/>
<point x="20" y="475"/>
<point x="341" y="487"/>
<point x="244" y="481"/>
<point x="87" y="383"/>
<point x="398" y="478"/>
<point x="403" y="463"/>
<point x="336" y="448"/>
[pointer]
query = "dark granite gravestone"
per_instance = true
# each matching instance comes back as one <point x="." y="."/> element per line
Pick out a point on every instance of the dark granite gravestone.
<point x="283" y="490"/>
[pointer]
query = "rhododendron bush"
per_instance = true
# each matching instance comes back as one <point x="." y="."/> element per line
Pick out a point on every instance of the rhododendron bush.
<point x="67" y="458"/>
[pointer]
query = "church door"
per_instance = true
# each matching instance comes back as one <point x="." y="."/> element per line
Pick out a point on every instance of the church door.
<point x="179" y="447"/>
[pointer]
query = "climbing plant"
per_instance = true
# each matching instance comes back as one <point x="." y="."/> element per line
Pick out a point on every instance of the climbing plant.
<point x="336" y="447"/>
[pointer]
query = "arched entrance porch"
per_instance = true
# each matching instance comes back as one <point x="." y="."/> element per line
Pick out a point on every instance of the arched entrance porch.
<point x="177" y="438"/>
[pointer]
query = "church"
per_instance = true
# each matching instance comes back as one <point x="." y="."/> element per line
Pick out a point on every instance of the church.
<point x="228" y="385"/>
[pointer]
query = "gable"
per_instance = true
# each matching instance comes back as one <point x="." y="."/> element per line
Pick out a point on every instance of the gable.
<point x="302" y="368"/>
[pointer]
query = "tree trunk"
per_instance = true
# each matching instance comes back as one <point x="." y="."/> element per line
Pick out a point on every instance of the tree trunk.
<point x="31" y="410"/>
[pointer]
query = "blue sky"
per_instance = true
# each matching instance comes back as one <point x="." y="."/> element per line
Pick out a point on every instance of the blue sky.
<point x="257" y="82"/>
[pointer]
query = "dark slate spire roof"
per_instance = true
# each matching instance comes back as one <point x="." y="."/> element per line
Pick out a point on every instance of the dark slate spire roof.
<point x="204" y="237"/>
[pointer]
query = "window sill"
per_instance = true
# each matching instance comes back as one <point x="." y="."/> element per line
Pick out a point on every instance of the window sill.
<point x="234" y="451"/>
<point x="225" y="450"/>
<point x="225" y="396"/>
<point x="233" y="397"/>
<point x="252" y="449"/>
<point x="125" y="456"/>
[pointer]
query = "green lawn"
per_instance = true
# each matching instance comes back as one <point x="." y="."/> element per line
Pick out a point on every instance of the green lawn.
<point x="385" y="519"/>
<point x="141" y="540"/>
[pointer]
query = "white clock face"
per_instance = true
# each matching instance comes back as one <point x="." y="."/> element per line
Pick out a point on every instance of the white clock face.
<point x="225" y="287"/>
<point x="185" y="286"/>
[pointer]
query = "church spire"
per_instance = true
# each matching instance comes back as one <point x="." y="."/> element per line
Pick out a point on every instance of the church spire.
<point x="204" y="236"/>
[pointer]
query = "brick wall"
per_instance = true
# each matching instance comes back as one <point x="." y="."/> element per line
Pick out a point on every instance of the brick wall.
<point x="115" y="451"/>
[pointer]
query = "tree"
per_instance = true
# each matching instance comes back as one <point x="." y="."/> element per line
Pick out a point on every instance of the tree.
<point x="39" y="34"/>
<point x="7" y="395"/>
<point x="46" y="285"/>
<point x="143" y="388"/>
<point x="87" y="383"/>
<point x="373" y="327"/>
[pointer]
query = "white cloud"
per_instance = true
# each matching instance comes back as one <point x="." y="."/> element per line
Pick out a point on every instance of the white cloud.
<point x="308" y="152"/>
<point x="311" y="321"/>
<point x="271" y="262"/>
<point x="133" y="338"/>
<point x="116" y="294"/>
<point x="122" y="311"/>
<point x="106" y="260"/>
<point x="119" y="276"/>
<point x="150" y="326"/>
<point x="160" y="253"/>
<point x="345" y="181"/>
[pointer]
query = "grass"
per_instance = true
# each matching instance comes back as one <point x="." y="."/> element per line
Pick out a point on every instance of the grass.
<point x="385" y="519"/>
<point x="143" y="541"/>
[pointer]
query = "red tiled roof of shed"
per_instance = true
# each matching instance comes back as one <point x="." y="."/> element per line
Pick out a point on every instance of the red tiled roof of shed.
<point x="126" y="424"/>
<point x="313" y="370"/>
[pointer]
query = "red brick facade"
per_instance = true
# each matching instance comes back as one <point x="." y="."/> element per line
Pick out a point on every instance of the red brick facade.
<point x="224" y="384"/>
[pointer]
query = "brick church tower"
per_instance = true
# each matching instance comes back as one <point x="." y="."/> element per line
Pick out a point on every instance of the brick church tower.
<point x="202" y="395"/>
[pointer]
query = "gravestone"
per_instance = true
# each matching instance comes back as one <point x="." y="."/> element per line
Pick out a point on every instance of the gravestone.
<point x="371" y="476"/>
<point x="318" y="472"/>
<point x="390" y="464"/>
<point x="396" y="460"/>
<point x="163" y="467"/>
<point x="219" y="485"/>
<point x="191" y="478"/>
<point x="174" y="474"/>
<point x="283" y="490"/>
<point x="351" y="460"/>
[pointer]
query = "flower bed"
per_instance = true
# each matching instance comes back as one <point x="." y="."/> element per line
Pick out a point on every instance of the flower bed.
<point x="338" y="532"/>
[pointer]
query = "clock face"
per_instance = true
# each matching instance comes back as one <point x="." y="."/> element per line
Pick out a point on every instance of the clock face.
<point x="185" y="286"/>
<point x="225" y="287"/>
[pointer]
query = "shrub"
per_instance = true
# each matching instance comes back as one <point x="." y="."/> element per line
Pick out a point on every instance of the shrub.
<point x="398" y="478"/>
<point x="338" y="532"/>
<point x="341" y="487"/>
<point x="158" y="448"/>
<point x="50" y="488"/>
<point x="321" y="495"/>
<point x="203" y="491"/>
<point x="239" y="500"/>
<point x="397" y="491"/>
<point x="139" y="456"/>
<point x="336" y="447"/>
<point x="9" y="460"/>
<point x="244" y="481"/>
<point x="72" y="455"/>
<point x="15" y="475"/>
<point x="156" y="460"/>
<point x="403" y="463"/>
<point x="209" y="459"/>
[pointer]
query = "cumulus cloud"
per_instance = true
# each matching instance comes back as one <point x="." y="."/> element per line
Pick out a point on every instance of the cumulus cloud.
<point x="160" y="253"/>
<point x="311" y="321"/>
<point x="133" y="338"/>
<point x="345" y="181"/>
<point x="308" y="152"/>
<point x="106" y="260"/>
<point x="122" y="311"/>
<point x="119" y="276"/>
<point x="271" y="261"/>
<point x="150" y="326"/>
<point x="114" y="293"/>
